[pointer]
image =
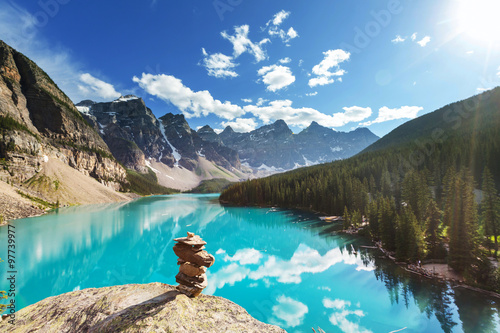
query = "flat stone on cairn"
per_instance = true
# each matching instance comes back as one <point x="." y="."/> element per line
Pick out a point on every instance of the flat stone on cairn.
<point x="193" y="262"/>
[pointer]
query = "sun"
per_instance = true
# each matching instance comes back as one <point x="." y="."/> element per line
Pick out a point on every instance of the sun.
<point x="480" y="19"/>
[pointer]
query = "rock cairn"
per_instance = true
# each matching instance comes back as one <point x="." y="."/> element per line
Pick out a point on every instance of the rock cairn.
<point x="193" y="263"/>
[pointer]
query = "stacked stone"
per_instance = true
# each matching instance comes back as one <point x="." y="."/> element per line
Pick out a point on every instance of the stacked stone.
<point x="193" y="263"/>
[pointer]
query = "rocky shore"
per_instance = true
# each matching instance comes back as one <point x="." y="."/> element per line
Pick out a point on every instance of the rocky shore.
<point x="153" y="307"/>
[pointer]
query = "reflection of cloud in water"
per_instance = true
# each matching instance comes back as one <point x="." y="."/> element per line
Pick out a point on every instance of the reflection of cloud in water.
<point x="243" y="256"/>
<point x="304" y="260"/>
<point x="339" y="316"/>
<point x="227" y="275"/>
<point x="288" y="312"/>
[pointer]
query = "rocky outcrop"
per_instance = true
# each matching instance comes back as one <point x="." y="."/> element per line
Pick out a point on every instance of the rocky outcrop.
<point x="193" y="263"/>
<point x="275" y="148"/>
<point x="37" y="121"/>
<point x="130" y="129"/>
<point x="208" y="134"/>
<point x="151" y="307"/>
<point x="190" y="145"/>
<point x="135" y="135"/>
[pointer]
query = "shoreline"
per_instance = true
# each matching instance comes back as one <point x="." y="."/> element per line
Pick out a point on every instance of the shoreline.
<point x="453" y="278"/>
<point x="26" y="209"/>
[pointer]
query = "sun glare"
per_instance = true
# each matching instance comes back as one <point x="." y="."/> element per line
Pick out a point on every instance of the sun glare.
<point x="480" y="19"/>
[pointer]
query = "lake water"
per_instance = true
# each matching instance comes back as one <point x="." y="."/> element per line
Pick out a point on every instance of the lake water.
<point x="284" y="267"/>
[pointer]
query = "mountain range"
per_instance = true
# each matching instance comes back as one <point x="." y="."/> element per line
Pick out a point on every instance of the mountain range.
<point x="135" y="136"/>
<point x="123" y="146"/>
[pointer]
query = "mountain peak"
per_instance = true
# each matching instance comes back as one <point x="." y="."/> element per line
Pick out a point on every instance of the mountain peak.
<point x="86" y="102"/>
<point x="280" y="123"/>
<point x="228" y="130"/>
<point x="205" y="128"/>
<point x="126" y="98"/>
<point x="317" y="129"/>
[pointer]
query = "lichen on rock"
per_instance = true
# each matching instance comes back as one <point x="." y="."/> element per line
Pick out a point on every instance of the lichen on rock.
<point x="153" y="307"/>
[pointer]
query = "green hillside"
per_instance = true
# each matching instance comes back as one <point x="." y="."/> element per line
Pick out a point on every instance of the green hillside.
<point x="465" y="134"/>
<point x="415" y="187"/>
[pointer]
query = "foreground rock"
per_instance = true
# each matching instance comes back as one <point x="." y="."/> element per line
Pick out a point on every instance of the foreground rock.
<point x="151" y="307"/>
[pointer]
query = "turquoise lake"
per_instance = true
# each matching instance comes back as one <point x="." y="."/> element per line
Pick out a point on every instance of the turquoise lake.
<point x="284" y="267"/>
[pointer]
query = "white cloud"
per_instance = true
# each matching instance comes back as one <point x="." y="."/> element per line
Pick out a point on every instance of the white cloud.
<point x="92" y="85"/>
<point x="292" y="33"/>
<point x="354" y="113"/>
<point x="320" y="81"/>
<point x="274" y="29"/>
<point x="219" y="65"/>
<point x="339" y="316"/>
<point x="301" y="62"/>
<point x="312" y="94"/>
<point x="242" y="125"/>
<point x="261" y="101"/>
<point x="469" y="52"/>
<point x="247" y="100"/>
<point x="386" y="114"/>
<point x="289" y="311"/>
<point x="192" y="104"/>
<point x="498" y="73"/>
<point x="241" y="43"/>
<point x="286" y="60"/>
<point x="302" y="117"/>
<point x="398" y="39"/>
<point x="280" y="17"/>
<point x="276" y="77"/>
<point x="424" y="41"/>
<point x="333" y="58"/>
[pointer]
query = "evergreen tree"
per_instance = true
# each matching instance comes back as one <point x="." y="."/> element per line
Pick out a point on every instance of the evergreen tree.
<point x="387" y="214"/>
<point x="416" y="193"/>
<point x="490" y="207"/>
<point x="356" y="218"/>
<point x="410" y="244"/>
<point x="347" y="219"/>
<point x="385" y="184"/>
<point x="463" y="222"/>
<point x="373" y="219"/>
<point x="432" y="229"/>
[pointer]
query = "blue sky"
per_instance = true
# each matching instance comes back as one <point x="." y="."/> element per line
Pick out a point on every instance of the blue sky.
<point x="246" y="63"/>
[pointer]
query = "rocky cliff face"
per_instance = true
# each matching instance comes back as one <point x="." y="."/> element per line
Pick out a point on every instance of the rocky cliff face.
<point x="135" y="136"/>
<point x="37" y="121"/>
<point x="152" y="307"/>
<point x="274" y="147"/>
<point x="130" y="129"/>
<point x="190" y="144"/>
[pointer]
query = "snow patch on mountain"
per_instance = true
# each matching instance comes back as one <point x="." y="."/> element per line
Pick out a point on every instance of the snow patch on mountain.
<point x="175" y="153"/>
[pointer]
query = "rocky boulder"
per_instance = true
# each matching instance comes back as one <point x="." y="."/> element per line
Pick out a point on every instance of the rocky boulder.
<point x="153" y="307"/>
